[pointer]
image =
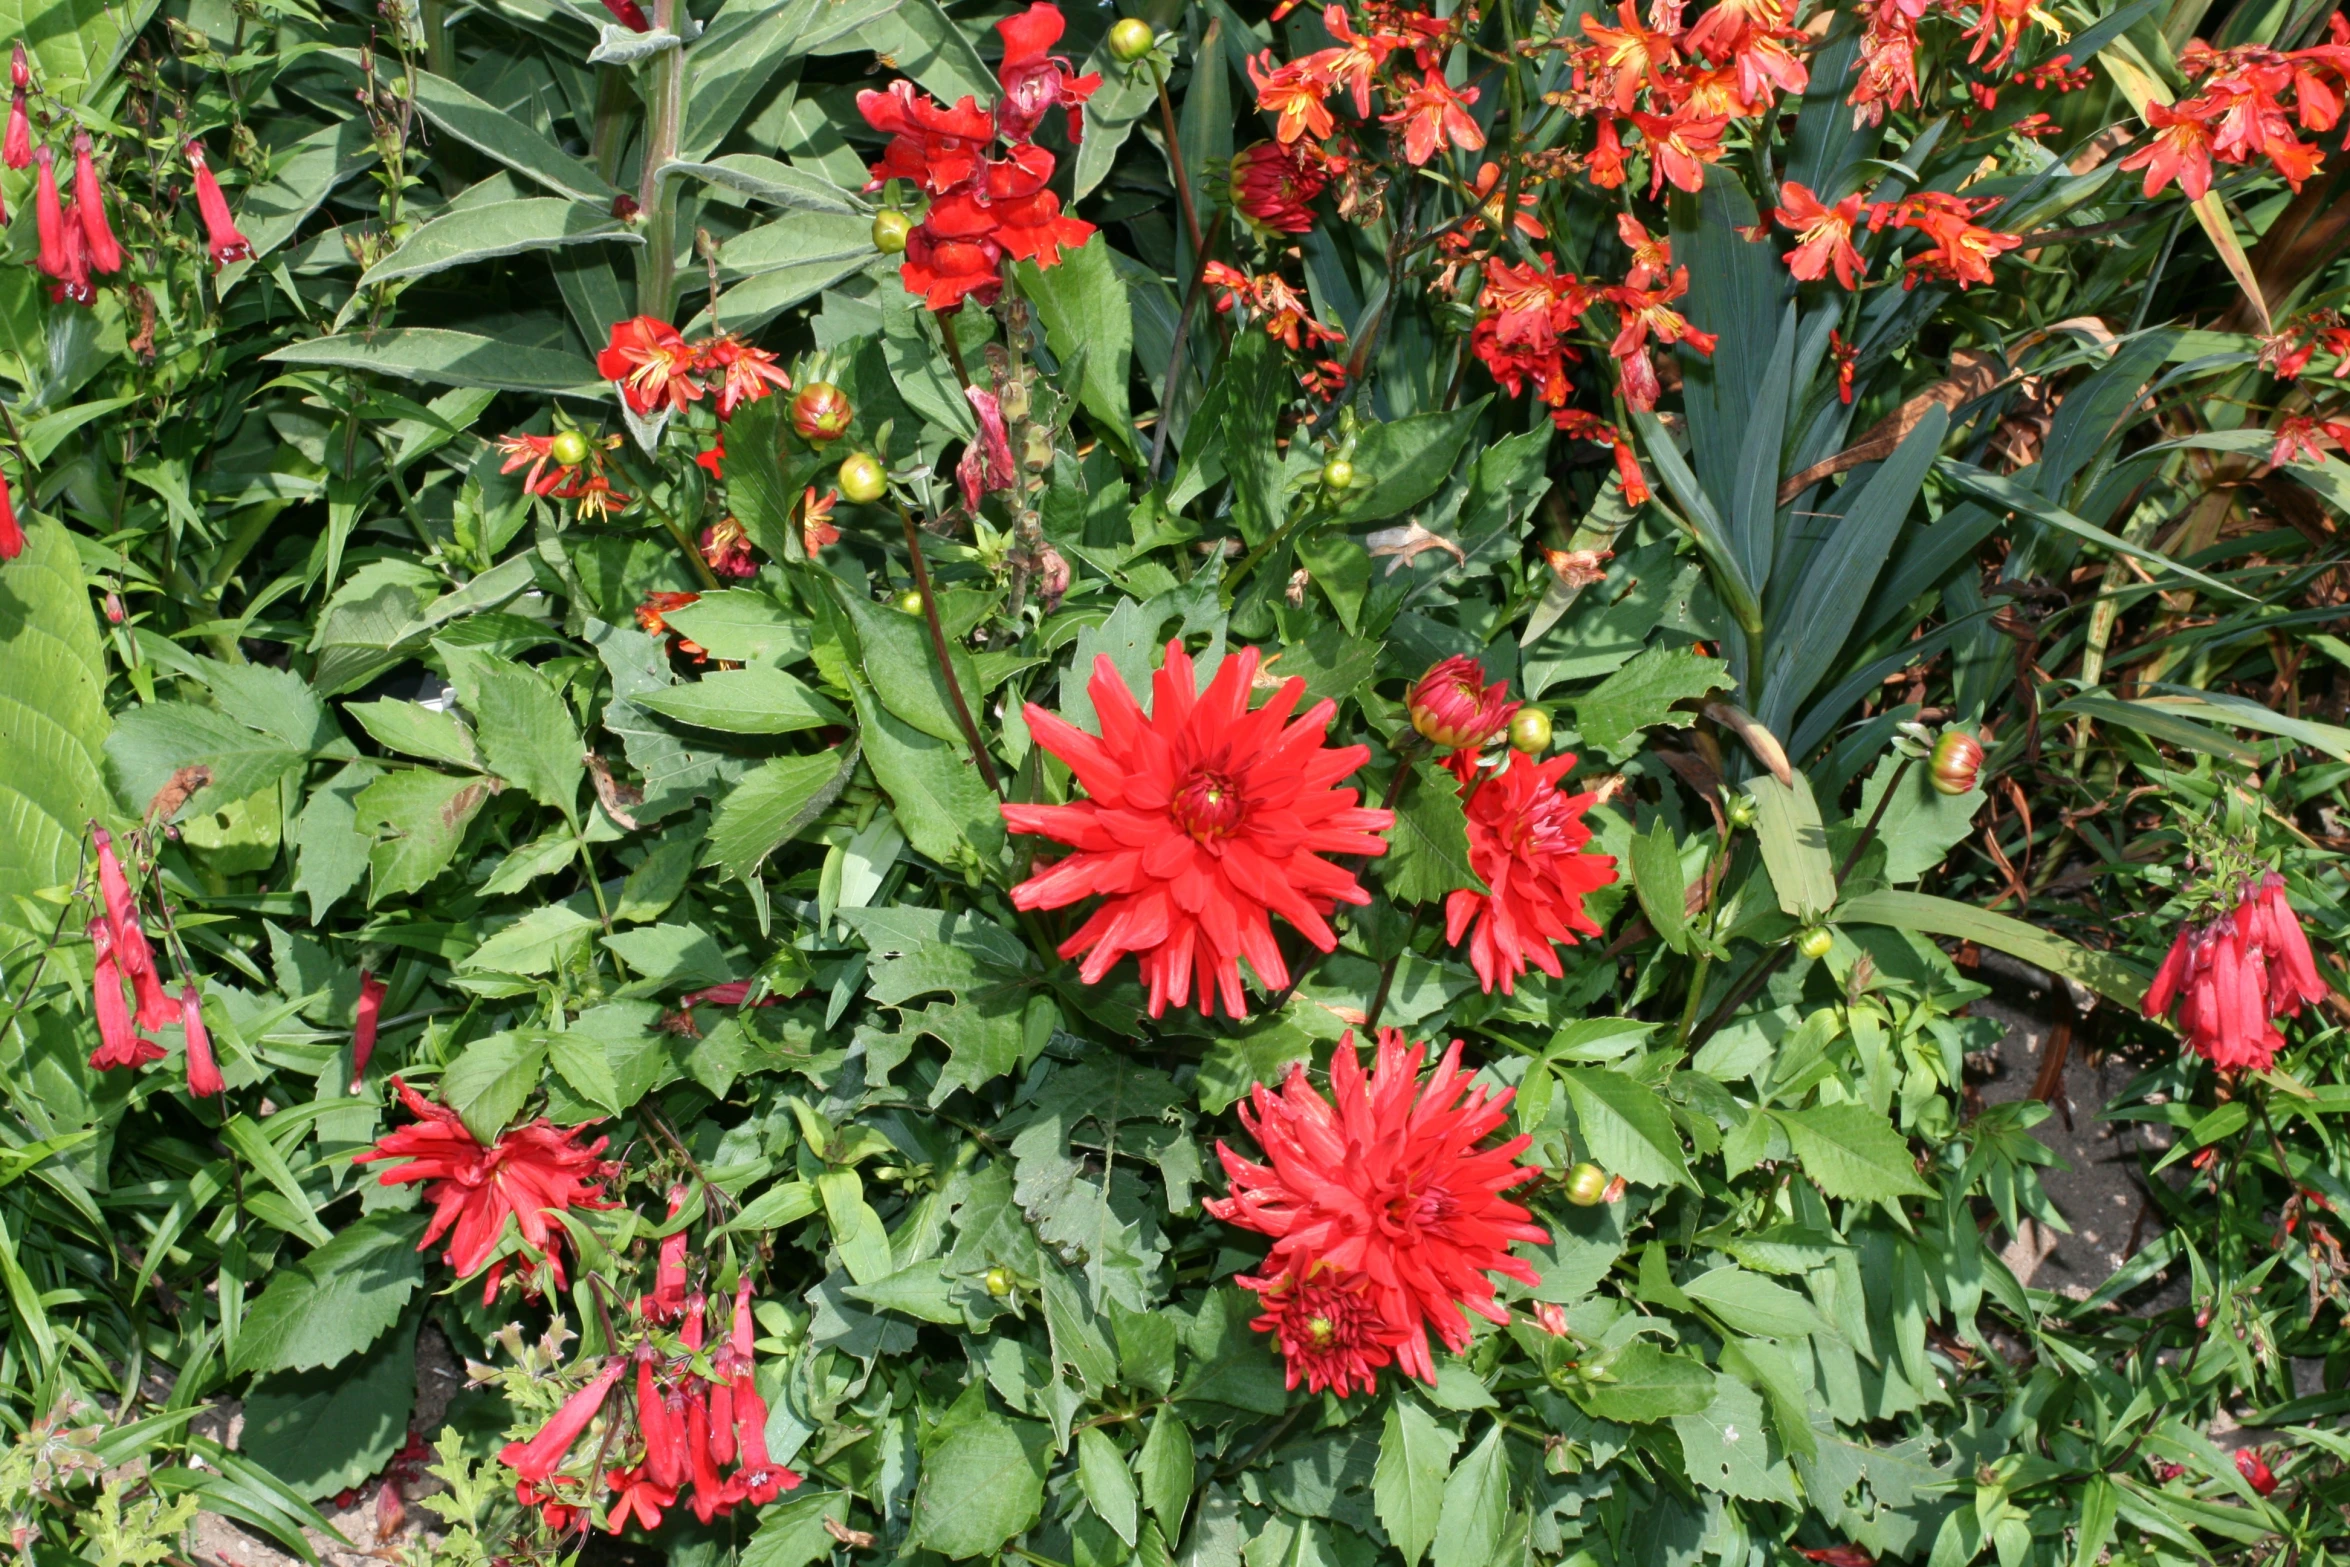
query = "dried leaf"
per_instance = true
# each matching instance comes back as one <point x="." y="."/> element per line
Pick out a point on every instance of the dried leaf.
<point x="1406" y="543"/>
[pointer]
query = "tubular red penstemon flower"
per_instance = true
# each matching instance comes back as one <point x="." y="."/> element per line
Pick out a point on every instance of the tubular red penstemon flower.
<point x="527" y="1174"/>
<point x="651" y="364"/>
<point x="662" y="1426"/>
<point x="204" y="1078"/>
<point x="667" y="1302"/>
<point x="2233" y="974"/>
<point x="537" y="1459"/>
<point x="363" y="1026"/>
<point x="11" y="531"/>
<point x="221" y="235"/>
<point x="49" y="216"/>
<point x="17" y="150"/>
<point x="89" y="199"/>
<point x="636" y="1498"/>
<point x="2255" y="1470"/>
<point x="1385" y="1179"/>
<point x="1454" y="709"/>
<point x="1327" y="1326"/>
<point x="132" y="952"/>
<point x="1526" y="843"/>
<point x="1201" y="821"/>
<point x="119" y="1042"/>
<point x="1034" y="81"/>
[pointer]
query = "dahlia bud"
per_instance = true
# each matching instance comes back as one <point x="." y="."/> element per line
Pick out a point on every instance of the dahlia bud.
<point x="1530" y="731"/>
<point x="820" y="411"/>
<point x="861" y="478"/>
<point x="889" y="232"/>
<point x="999" y="1282"/>
<point x="1586" y="1185"/>
<point x="1815" y="942"/>
<point x="1958" y="762"/>
<point x="1338" y="474"/>
<point x="1454" y="709"/>
<point x="910" y="602"/>
<point x="568" y="447"/>
<point x="1131" y="39"/>
<point x="89" y="198"/>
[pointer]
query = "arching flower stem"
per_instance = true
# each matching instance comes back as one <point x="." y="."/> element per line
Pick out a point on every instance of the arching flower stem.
<point x="938" y="645"/>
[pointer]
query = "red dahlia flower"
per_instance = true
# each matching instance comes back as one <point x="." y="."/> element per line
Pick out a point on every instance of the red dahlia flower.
<point x="1454" y="708"/>
<point x="1272" y="182"/>
<point x="1526" y="843"/>
<point x="1385" y="1179"/>
<point x="1202" y="820"/>
<point x="651" y="363"/>
<point x="527" y="1174"/>
<point x="1034" y="81"/>
<point x="2234" y="975"/>
<point x="1328" y="1327"/>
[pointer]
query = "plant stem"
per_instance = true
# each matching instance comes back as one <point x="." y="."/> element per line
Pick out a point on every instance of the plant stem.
<point x="437" y="49"/>
<point x="954" y="344"/>
<point x="938" y="648"/>
<point x="656" y="278"/>
<point x="1191" y="299"/>
<point x="1175" y="145"/>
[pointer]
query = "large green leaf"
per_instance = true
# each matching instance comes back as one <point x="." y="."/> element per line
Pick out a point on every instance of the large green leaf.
<point x="53" y="723"/>
<point x="1427" y="854"/>
<point x="1415" y="1457"/>
<point x="982" y="1479"/>
<point x="450" y="358"/>
<point x="76" y="44"/>
<point x="1626" y="1126"/>
<point x="496" y="228"/>
<point x="336" y="1301"/>
<point x="772" y="806"/>
<point x="1087" y="309"/>
<point x="325" y="1431"/>
<point x="491" y="131"/>
<point x="1932" y="916"/>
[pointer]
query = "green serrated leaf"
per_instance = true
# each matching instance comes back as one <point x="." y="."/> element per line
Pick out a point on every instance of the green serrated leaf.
<point x="335" y="1302"/>
<point x="1407" y="1488"/>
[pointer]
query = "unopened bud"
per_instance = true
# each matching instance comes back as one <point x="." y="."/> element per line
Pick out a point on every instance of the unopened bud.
<point x="1958" y="762"/>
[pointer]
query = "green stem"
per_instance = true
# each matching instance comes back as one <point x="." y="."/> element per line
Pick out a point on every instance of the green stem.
<point x="656" y="279"/>
<point x="1175" y="146"/>
<point x="439" y="51"/>
<point x="1248" y="562"/>
<point x="938" y="648"/>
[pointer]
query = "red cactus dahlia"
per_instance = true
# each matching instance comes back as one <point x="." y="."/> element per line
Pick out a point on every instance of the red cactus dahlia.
<point x="529" y="1173"/>
<point x="1328" y="1327"/>
<point x="1526" y="841"/>
<point x="1384" y="1179"/>
<point x="1202" y="820"/>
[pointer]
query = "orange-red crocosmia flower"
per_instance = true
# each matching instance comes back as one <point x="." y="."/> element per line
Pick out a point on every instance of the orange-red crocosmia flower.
<point x="528" y="1174"/>
<point x="1201" y="821"/>
<point x="1293" y="95"/>
<point x="2234" y="974"/>
<point x="1526" y="843"/>
<point x="1434" y="113"/>
<point x="1386" y="1179"/>
<point x="1453" y="707"/>
<point x="651" y="363"/>
<point x="1328" y="1328"/>
<point x="745" y="374"/>
<point x="1823" y="235"/>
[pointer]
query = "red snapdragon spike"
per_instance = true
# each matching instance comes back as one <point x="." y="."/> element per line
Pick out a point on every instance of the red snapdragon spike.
<point x="629" y="15"/>
<point x="1454" y="709"/>
<point x="931" y="145"/>
<point x="204" y="1078"/>
<point x="1202" y="819"/>
<point x="89" y="199"/>
<point x="119" y="1042"/>
<point x="1527" y="842"/>
<point x="659" y="1423"/>
<point x="221" y="235"/>
<point x="637" y="1498"/>
<point x="363" y="1026"/>
<point x="1034" y="80"/>
<point x="537" y="1459"/>
<point x="986" y="464"/>
<point x="11" y="531"/>
<point x="1386" y="1179"/>
<point x="17" y="150"/>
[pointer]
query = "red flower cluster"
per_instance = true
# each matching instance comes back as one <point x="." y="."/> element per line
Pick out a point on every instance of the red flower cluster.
<point x="2234" y="974"/>
<point x="1431" y="111"/>
<point x="123" y="955"/>
<point x="2305" y="437"/>
<point x="984" y="210"/>
<point x="1279" y="308"/>
<point x="654" y="367"/>
<point x="1962" y="251"/>
<point x="583" y="480"/>
<point x="2247" y="105"/>
<point x="1201" y="821"/>
<point x="689" y="1427"/>
<point x="1527" y="841"/>
<point x="1679" y="88"/>
<point x="1386" y="1215"/>
<point x="76" y="239"/>
<point x="2326" y="332"/>
<point x="528" y="1174"/>
<point x="1888" y="75"/>
<point x="652" y="618"/>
